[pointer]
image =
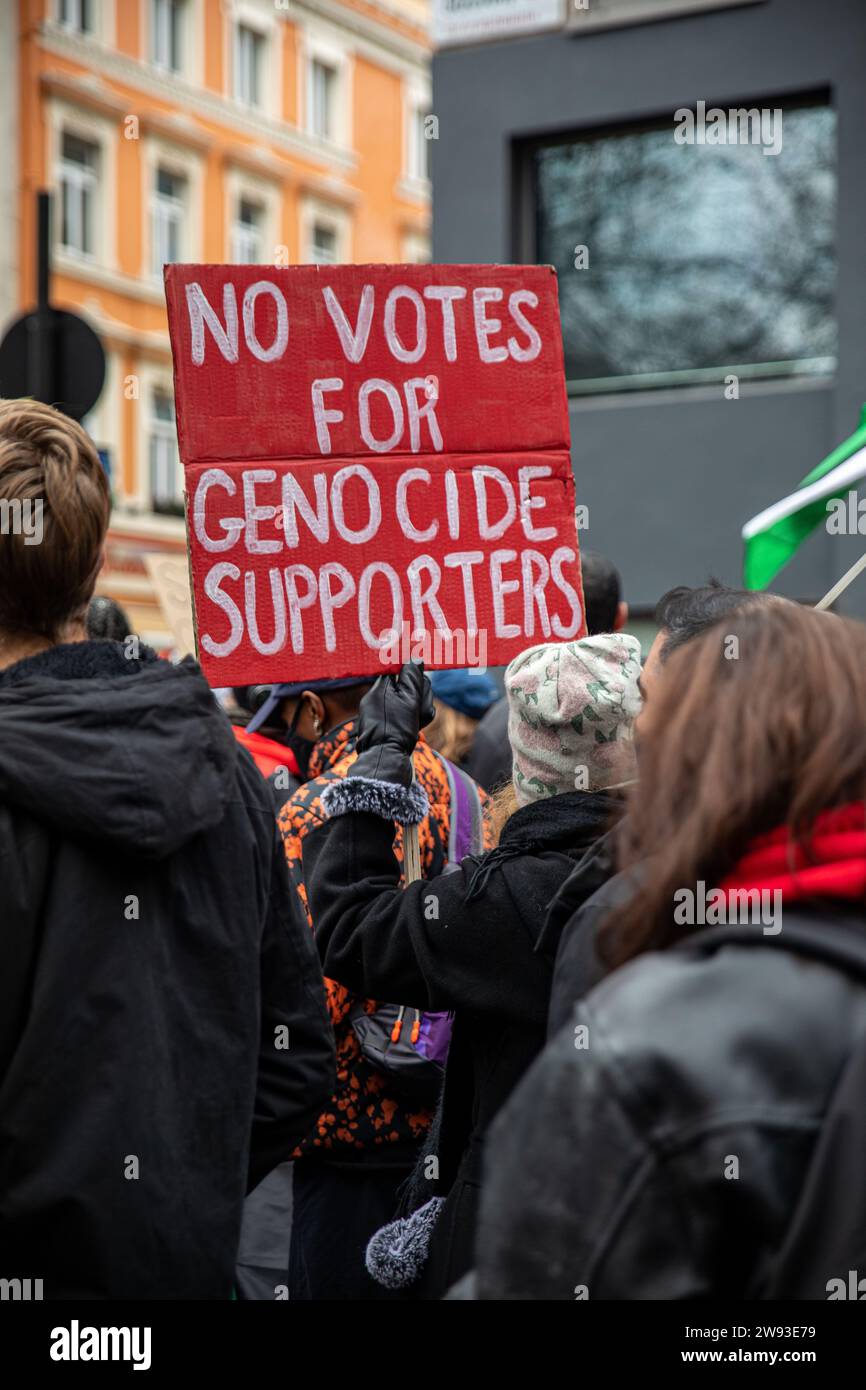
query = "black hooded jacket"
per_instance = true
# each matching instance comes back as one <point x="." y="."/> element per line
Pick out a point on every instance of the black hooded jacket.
<point x="149" y="962"/>
<point x="464" y="941"/>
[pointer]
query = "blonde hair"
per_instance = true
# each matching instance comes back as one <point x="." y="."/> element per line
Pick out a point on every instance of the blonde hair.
<point x="451" y="733"/>
<point x="503" y="804"/>
<point x="47" y="460"/>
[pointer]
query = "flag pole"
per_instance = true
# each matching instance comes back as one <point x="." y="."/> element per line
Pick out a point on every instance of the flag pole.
<point x="841" y="584"/>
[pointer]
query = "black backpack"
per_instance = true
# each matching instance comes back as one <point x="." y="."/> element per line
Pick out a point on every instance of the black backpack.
<point x="826" y="1238"/>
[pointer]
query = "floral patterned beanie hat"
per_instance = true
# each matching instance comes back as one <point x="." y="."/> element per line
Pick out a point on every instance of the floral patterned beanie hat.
<point x="571" y="706"/>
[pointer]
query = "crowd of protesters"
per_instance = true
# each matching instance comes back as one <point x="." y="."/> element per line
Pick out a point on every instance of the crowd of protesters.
<point x="407" y="987"/>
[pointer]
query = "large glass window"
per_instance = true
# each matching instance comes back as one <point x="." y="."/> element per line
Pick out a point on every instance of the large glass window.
<point x="78" y="178"/>
<point x="677" y="261"/>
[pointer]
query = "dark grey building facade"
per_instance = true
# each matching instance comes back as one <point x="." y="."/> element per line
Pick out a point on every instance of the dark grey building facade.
<point x="669" y="461"/>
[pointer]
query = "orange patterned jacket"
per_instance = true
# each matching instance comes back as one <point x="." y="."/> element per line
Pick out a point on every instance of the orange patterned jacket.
<point x="363" y="1115"/>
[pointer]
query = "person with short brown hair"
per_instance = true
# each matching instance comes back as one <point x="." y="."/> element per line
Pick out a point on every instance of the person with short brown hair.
<point x="48" y="466"/>
<point x="149" y="966"/>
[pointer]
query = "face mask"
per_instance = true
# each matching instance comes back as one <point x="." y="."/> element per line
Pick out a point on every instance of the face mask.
<point x="300" y="746"/>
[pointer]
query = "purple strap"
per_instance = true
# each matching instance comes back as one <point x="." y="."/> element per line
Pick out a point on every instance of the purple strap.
<point x="461" y="817"/>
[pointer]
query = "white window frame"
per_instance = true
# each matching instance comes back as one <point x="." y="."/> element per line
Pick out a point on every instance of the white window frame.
<point x="254" y="94"/>
<point x="103" y="22"/>
<point x="326" y="128"/>
<point x="248" y="238"/>
<point x="192" y="42"/>
<point x="64" y="118"/>
<point x="260" y="16"/>
<point x="316" y="252"/>
<point x="160" y="32"/>
<point x="83" y="181"/>
<point x="188" y="165"/>
<point x="162" y="432"/>
<point x="78" y="6"/>
<point x="151" y="375"/>
<point x="242" y="184"/>
<point x="322" y="44"/>
<point x="316" y="212"/>
<point x="102" y="422"/>
<point x="168" y="216"/>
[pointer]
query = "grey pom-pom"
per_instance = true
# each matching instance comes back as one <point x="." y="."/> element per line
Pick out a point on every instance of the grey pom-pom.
<point x="408" y="805"/>
<point x="396" y="1254"/>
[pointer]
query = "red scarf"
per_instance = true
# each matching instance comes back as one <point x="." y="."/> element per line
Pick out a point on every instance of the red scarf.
<point x="266" y="752"/>
<point x="832" y="864"/>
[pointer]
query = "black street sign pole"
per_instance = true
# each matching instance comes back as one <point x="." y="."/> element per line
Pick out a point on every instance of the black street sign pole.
<point x="41" y="326"/>
<point x="52" y="355"/>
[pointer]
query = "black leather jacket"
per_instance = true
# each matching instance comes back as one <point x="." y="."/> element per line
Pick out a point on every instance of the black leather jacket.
<point x="659" y="1154"/>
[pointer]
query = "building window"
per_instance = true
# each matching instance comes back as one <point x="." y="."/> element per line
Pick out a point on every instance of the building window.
<point x="680" y="262"/>
<point x="166" y="34"/>
<point x="168" y="214"/>
<point x="76" y="15"/>
<point x="322" y="99"/>
<point x="419" y="145"/>
<point x="248" y="233"/>
<point x="249" y="61"/>
<point x="79" y="177"/>
<point x="323" y="244"/>
<point x="166" y="488"/>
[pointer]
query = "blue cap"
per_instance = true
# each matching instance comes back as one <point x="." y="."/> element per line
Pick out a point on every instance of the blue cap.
<point x="470" y="692"/>
<point x="290" y="691"/>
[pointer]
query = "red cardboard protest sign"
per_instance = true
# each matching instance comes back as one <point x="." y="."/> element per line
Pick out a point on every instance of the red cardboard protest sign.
<point x="377" y="466"/>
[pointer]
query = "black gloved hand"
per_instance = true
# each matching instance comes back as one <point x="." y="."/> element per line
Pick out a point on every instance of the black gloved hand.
<point x="392" y="714"/>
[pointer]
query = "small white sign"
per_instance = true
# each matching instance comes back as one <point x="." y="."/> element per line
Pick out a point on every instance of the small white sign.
<point x="476" y="21"/>
<point x="607" y="14"/>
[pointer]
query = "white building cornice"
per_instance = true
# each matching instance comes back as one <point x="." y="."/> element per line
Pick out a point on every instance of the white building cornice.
<point x="375" y="40"/>
<point x="198" y="101"/>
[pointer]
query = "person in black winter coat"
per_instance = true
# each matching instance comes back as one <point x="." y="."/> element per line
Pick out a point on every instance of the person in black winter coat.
<point x="163" y="1034"/>
<point x="465" y="941"/>
<point x="696" y="1129"/>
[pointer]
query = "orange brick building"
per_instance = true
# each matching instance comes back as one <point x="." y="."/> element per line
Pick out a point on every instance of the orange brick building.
<point x="272" y="131"/>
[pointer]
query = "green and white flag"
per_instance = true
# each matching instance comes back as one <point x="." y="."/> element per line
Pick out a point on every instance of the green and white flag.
<point x="772" y="537"/>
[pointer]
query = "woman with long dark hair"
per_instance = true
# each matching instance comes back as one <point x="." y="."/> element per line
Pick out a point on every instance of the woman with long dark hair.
<point x="694" y="1130"/>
